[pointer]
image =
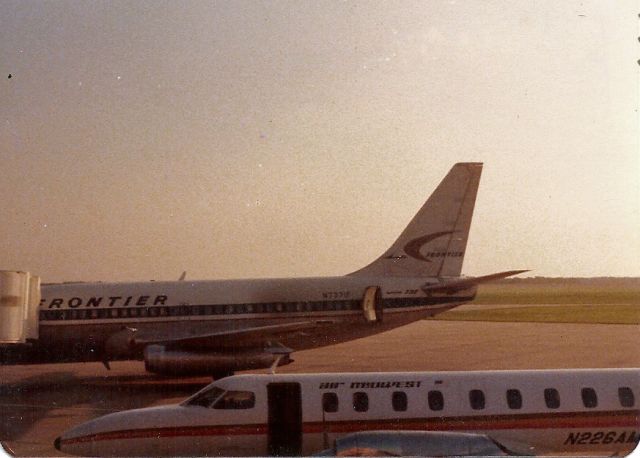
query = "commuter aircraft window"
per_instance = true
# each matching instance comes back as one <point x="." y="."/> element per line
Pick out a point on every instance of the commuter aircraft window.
<point x="206" y="398"/>
<point x="436" y="400"/>
<point x="626" y="396"/>
<point x="236" y="400"/>
<point x="399" y="401"/>
<point x="329" y="402"/>
<point x="360" y="401"/>
<point x="514" y="399"/>
<point x="589" y="397"/>
<point x="552" y="398"/>
<point x="476" y="399"/>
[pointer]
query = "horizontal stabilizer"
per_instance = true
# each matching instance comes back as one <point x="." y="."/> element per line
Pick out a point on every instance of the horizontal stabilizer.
<point x="457" y="285"/>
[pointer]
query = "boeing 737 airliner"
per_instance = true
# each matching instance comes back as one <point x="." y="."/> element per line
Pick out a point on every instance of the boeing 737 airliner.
<point x="576" y="412"/>
<point x="217" y="327"/>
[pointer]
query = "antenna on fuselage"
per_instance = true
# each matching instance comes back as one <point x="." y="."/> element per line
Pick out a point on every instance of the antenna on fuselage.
<point x="183" y="276"/>
<point x="274" y="366"/>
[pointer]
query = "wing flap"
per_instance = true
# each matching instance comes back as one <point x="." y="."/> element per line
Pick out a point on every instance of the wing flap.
<point x="235" y="337"/>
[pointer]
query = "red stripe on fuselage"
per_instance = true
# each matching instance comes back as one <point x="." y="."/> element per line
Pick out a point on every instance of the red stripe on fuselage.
<point x="610" y="419"/>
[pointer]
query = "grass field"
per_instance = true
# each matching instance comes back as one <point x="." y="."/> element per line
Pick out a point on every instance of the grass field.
<point x="602" y="314"/>
<point x="602" y="300"/>
<point x="494" y="294"/>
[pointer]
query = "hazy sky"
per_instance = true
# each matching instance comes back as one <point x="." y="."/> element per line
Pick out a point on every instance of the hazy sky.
<point x="256" y="139"/>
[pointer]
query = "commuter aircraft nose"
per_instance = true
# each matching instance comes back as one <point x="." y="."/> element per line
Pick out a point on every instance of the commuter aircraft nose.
<point x="116" y="434"/>
<point x="152" y="431"/>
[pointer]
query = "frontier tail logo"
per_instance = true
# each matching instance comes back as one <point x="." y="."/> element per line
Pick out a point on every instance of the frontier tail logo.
<point x="414" y="246"/>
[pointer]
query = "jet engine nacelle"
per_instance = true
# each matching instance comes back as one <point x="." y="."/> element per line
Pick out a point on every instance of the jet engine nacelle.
<point x="161" y="360"/>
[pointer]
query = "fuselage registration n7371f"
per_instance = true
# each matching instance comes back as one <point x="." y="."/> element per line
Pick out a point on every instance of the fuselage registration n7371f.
<point x="215" y="327"/>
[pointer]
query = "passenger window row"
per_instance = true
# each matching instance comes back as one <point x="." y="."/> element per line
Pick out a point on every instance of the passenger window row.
<point x="435" y="399"/>
<point x="195" y="310"/>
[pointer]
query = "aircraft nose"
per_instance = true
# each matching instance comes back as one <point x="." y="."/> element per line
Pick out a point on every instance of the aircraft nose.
<point x="56" y="443"/>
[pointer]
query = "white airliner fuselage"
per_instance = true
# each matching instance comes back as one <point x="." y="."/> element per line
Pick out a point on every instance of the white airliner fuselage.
<point x="590" y="411"/>
<point x="218" y="326"/>
<point x="327" y="309"/>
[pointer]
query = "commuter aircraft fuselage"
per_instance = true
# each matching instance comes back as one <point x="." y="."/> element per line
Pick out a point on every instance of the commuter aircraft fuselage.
<point x="217" y="327"/>
<point x="580" y="412"/>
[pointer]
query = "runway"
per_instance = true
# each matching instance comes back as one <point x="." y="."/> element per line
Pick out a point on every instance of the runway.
<point x="37" y="403"/>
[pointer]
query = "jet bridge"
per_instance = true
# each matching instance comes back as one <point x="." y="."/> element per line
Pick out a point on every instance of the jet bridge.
<point x="19" y="302"/>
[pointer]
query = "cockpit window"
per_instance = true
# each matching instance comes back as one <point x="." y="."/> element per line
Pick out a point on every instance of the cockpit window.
<point x="205" y="398"/>
<point x="236" y="400"/>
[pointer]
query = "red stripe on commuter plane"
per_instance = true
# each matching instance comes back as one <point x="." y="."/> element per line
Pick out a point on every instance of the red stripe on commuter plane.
<point x="628" y="418"/>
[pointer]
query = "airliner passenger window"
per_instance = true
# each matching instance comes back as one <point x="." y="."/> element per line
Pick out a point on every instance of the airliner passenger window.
<point x="436" y="400"/>
<point x="552" y="398"/>
<point x="329" y="402"/>
<point x="399" y="401"/>
<point x="236" y="400"/>
<point x="476" y="399"/>
<point x="360" y="401"/>
<point x="626" y="396"/>
<point x="589" y="398"/>
<point x="206" y="398"/>
<point x="514" y="399"/>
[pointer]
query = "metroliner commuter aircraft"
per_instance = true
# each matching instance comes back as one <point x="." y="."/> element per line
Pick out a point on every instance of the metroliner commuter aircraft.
<point x="531" y="412"/>
<point x="217" y="327"/>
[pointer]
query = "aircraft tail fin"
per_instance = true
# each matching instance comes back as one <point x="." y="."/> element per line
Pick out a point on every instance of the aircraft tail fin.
<point x="434" y="242"/>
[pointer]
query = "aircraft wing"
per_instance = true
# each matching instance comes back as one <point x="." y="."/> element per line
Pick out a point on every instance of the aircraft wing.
<point x="416" y="443"/>
<point x="234" y="337"/>
<point x="457" y="285"/>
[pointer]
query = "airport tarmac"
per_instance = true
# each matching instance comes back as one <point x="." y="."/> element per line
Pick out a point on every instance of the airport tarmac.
<point x="37" y="403"/>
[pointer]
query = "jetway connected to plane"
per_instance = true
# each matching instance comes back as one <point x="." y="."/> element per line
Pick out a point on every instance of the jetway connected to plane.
<point x="19" y="302"/>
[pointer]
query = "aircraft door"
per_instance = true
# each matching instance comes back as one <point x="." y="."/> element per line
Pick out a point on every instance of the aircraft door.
<point x="372" y="304"/>
<point x="285" y="419"/>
